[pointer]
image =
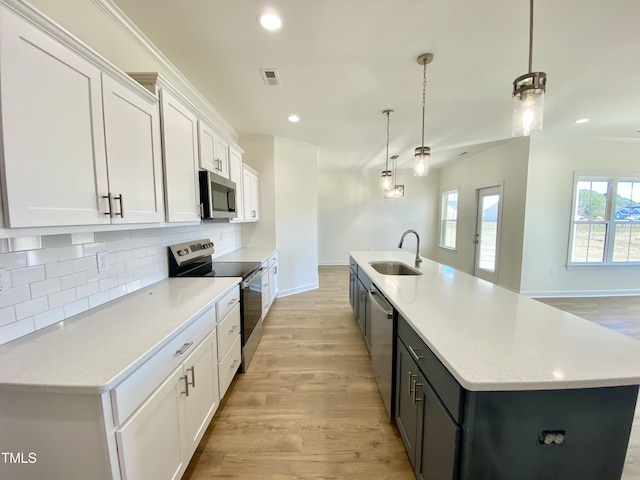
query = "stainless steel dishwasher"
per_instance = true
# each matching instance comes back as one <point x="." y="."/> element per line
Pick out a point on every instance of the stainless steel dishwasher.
<point x="382" y="344"/>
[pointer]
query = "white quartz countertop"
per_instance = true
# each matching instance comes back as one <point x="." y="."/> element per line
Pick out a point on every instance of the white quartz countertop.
<point x="491" y="338"/>
<point x="247" y="255"/>
<point x="94" y="351"/>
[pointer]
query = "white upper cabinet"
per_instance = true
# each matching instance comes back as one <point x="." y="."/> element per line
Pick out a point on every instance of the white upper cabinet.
<point x="134" y="157"/>
<point x="213" y="149"/>
<point x="250" y="194"/>
<point x="235" y="175"/>
<point x="53" y="155"/>
<point x="180" y="135"/>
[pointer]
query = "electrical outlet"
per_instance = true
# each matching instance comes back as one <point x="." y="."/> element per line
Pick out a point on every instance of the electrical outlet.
<point x="3" y="281"/>
<point x="103" y="261"/>
<point x="552" y="271"/>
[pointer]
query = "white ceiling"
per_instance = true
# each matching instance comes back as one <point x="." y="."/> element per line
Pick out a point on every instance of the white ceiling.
<point x="342" y="62"/>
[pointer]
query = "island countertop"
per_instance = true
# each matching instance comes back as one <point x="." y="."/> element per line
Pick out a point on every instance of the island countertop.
<point x="95" y="350"/>
<point x="493" y="339"/>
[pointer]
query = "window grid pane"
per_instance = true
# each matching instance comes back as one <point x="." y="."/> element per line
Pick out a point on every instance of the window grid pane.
<point x="449" y="219"/>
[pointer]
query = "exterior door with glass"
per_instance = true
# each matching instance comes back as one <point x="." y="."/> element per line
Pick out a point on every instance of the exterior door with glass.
<point x="487" y="239"/>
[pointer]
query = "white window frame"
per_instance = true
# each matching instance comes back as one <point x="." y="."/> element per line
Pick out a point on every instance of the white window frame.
<point x="609" y="220"/>
<point x="444" y="220"/>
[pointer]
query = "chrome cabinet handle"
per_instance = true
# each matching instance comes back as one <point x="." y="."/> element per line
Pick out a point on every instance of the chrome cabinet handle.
<point x="184" y="348"/>
<point x="415" y="355"/>
<point x="232" y="301"/>
<point x="110" y="212"/>
<point x="416" y="398"/>
<point x="411" y="375"/>
<point x="233" y="329"/>
<point x="186" y="386"/>
<point x="119" y="198"/>
<point x="193" y="376"/>
<point x="234" y="365"/>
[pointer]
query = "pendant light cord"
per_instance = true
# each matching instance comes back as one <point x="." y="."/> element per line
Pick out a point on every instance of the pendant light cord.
<point x="386" y="168"/>
<point x="531" y="36"/>
<point x="424" y="95"/>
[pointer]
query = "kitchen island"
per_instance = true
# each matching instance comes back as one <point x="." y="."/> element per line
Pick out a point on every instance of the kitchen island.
<point x="515" y="388"/>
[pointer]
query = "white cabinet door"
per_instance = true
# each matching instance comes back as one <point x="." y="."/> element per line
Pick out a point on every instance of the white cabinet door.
<point x="206" y="147"/>
<point x="235" y="175"/>
<point x="52" y="131"/>
<point x="132" y="136"/>
<point x="201" y="369"/>
<point x="152" y="444"/>
<point x="222" y="156"/>
<point x="250" y="195"/>
<point x="180" y="137"/>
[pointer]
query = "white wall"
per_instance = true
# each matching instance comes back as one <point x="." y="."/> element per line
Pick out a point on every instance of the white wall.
<point x="53" y="277"/>
<point x="288" y="208"/>
<point x="552" y="165"/>
<point x="507" y="165"/>
<point x="353" y="214"/>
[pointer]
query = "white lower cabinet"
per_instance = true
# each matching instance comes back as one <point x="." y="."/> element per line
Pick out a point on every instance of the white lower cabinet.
<point x="229" y="340"/>
<point x="159" y="439"/>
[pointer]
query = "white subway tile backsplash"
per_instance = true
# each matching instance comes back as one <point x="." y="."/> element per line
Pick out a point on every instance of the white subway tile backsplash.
<point x="42" y="257"/>
<point x="61" y="298"/>
<point x="83" y="237"/>
<point x="16" y="330"/>
<point x="70" y="252"/>
<point x="71" y="309"/>
<point x="19" y="244"/>
<point x="87" y="290"/>
<point x="85" y="263"/>
<point x="31" y="307"/>
<point x="46" y="287"/>
<point x="56" y="240"/>
<point x="49" y="317"/>
<point x="73" y="280"/>
<point x="14" y="260"/>
<point x="24" y="276"/>
<point x="58" y="269"/>
<point x="7" y="315"/>
<point x="57" y="277"/>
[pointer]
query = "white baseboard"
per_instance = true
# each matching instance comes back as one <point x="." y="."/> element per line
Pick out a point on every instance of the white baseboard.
<point x="581" y="293"/>
<point x="293" y="291"/>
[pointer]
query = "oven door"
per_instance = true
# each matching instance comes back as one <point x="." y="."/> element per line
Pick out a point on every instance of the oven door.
<point x="251" y="296"/>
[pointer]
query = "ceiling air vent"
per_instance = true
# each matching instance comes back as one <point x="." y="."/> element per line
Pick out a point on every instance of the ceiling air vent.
<point x="270" y="76"/>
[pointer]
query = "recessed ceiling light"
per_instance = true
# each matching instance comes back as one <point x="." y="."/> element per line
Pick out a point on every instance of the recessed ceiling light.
<point x="582" y="120"/>
<point x="293" y="118"/>
<point x="270" y="21"/>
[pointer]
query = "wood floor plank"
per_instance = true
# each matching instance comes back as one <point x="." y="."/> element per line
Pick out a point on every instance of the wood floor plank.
<point x="309" y="407"/>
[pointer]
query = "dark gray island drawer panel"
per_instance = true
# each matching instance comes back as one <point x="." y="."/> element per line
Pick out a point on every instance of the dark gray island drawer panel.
<point x="446" y="387"/>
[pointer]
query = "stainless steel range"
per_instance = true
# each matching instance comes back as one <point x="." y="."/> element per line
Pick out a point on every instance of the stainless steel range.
<point x="194" y="259"/>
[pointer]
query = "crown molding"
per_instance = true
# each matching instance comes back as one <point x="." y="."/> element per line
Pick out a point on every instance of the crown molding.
<point x="119" y="18"/>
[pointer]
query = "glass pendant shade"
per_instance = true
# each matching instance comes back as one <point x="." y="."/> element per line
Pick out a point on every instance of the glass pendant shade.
<point x="528" y="103"/>
<point x="387" y="181"/>
<point x="421" y="165"/>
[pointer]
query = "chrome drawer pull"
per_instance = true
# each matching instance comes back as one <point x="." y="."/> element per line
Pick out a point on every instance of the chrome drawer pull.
<point x="234" y="365"/>
<point x="415" y="355"/>
<point x="193" y="376"/>
<point x="411" y="375"/>
<point x="184" y="348"/>
<point x="233" y="329"/>
<point x="186" y="386"/>
<point x="232" y="301"/>
<point x="416" y="398"/>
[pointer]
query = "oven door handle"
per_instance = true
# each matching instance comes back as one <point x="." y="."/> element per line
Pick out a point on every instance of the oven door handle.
<point x="249" y="281"/>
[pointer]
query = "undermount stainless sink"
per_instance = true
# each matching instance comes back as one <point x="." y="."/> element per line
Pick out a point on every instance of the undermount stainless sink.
<point x="394" y="268"/>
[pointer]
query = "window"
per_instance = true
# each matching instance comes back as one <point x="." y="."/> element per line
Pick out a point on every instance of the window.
<point x="449" y="219"/>
<point x="606" y="221"/>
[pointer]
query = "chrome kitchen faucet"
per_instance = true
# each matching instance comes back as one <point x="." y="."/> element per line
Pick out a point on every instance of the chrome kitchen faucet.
<point x="418" y="259"/>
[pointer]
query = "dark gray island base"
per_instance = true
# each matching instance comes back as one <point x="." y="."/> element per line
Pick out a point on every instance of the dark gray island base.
<point x="456" y="433"/>
<point x="453" y="433"/>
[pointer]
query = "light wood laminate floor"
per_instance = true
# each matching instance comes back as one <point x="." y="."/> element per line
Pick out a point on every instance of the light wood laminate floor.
<point x="308" y="408"/>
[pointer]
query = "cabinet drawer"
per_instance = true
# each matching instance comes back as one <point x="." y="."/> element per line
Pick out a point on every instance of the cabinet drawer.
<point x="228" y="331"/>
<point x="228" y="367"/>
<point x="273" y="259"/>
<point x="227" y="302"/>
<point x="353" y="265"/>
<point x="446" y="387"/>
<point x="129" y="394"/>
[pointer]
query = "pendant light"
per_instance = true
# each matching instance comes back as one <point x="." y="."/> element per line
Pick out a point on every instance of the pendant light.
<point x="396" y="191"/>
<point x="528" y="95"/>
<point x="422" y="153"/>
<point x="387" y="180"/>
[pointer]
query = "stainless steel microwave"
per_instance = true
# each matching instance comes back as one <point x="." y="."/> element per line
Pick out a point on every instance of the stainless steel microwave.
<point x="217" y="196"/>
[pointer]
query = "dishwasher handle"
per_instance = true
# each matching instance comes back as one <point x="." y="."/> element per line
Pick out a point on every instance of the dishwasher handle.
<point x="381" y="303"/>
